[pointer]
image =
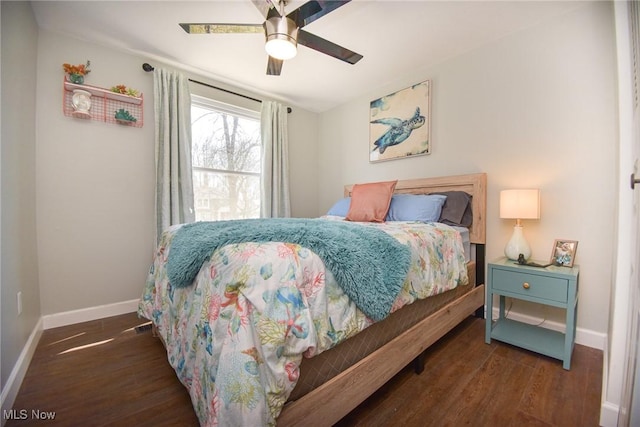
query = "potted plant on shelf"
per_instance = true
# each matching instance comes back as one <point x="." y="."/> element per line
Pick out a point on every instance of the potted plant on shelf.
<point x="75" y="73"/>
<point x="123" y="117"/>
<point x="123" y="90"/>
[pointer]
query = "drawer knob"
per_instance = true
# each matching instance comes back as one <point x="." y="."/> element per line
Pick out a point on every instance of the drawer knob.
<point x="526" y="285"/>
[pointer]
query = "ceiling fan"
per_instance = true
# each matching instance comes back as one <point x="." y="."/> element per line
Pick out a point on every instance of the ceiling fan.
<point x="284" y="32"/>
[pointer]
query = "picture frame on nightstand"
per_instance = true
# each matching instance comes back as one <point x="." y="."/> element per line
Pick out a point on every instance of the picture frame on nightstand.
<point x="563" y="252"/>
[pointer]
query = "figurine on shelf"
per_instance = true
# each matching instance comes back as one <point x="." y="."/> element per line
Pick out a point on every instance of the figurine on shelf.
<point x="124" y="117"/>
<point x="76" y="73"/>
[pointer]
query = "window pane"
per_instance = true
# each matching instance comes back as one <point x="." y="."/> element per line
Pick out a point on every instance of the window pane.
<point x="222" y="196"/>
<point x="224" y="141"/>
<point x="226" y="163"/>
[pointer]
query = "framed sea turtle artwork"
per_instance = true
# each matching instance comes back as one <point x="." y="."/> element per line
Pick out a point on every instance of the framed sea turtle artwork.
<point x="400" y="124"/>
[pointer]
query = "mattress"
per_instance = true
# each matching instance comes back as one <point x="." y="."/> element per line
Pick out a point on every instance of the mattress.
<point x="466" y="241"/>
<point x="317" y="370"/>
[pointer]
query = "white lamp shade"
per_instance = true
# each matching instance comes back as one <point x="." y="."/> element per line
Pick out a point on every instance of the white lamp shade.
<point x="520" y="204"/>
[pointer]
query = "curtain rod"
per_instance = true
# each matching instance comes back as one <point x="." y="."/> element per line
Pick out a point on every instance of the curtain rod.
<point x="148" y="68"/>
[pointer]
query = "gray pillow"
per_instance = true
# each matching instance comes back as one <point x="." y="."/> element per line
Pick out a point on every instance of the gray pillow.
<point x="457" y="209"/>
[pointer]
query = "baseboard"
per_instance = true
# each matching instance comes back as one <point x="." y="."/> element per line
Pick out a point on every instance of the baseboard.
<point x="584" y="337"/>
<point x="87" y="314"/>
<point x="609" y="414"/>
<point x="608" y="411"/>
<point x="12" y="386"/>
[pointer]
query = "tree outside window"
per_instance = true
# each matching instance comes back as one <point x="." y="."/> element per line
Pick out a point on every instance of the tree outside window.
<point x="226" y="151"/>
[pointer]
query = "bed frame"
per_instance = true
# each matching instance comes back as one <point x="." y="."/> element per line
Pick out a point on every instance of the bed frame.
<point x="334" y="399"/>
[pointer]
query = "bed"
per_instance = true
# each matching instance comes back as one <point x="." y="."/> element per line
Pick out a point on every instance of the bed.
<point x="290" y="396"/>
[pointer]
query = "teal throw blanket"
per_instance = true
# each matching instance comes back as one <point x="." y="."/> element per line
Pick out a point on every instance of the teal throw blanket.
<point x="368" y="264"/>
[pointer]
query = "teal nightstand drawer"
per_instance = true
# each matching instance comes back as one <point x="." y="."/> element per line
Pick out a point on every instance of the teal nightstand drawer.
<point x="531" y="285"/>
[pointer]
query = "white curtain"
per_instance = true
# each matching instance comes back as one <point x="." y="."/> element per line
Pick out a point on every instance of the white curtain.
<point x="174" y="182"/>
<point x="274" y="192"/>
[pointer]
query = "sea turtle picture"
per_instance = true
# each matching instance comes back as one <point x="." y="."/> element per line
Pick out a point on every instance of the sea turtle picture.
<point x="399" y="130"/>
<point x="399" y="124"/>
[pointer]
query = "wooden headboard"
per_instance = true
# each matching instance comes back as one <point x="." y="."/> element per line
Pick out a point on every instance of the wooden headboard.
<point x="473" y="184"/>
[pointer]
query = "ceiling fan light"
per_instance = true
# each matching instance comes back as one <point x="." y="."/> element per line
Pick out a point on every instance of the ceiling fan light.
<point x="281" y="34"/>
<point x="280" y="49"/>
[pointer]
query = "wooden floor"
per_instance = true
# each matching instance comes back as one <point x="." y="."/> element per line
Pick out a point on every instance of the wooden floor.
<point x="107" y="373"/>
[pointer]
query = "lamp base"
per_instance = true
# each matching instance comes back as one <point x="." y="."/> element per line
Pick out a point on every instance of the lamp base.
<point x="517" y="245"/>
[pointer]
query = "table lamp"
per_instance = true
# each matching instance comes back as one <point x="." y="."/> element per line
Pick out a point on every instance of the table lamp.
<point x="519" y="205"/>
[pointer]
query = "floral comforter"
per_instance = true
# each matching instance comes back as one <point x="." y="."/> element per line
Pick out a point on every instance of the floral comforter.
<point x="236" y="337"/>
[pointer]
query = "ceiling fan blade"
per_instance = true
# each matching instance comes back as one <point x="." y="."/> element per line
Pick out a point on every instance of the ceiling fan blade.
<point x="222" y="28"/>
<point x="303" y="12"/>
<point x="328" y="48"/>
<point x="265" y="7"/>
<point x="326" y="6"/>
<point x="274" y="66"/>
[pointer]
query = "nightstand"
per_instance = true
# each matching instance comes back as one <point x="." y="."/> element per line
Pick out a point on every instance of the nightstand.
<point x="553" y="286"/>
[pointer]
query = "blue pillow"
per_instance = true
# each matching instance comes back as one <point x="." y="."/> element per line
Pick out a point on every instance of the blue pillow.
<point x="416" y="207"/>
<point x="341" y="207"/>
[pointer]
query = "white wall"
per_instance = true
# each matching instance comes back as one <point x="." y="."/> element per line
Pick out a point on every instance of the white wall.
<point x="19" y="259"/>
<point x="534" y="109"/>
<point x="95" y="182"/>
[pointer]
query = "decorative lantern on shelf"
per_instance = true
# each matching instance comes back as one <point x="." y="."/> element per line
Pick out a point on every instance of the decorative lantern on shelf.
<point x="81" y="102"/>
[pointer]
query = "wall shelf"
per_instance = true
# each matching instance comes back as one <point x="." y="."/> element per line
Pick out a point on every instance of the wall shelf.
<point x="104" y="104"/>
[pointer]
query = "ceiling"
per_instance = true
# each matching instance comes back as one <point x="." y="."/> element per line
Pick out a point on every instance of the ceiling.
<point x="395" y="37"/>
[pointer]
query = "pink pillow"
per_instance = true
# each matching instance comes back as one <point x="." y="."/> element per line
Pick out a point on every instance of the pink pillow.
<point x="370" y="202"/>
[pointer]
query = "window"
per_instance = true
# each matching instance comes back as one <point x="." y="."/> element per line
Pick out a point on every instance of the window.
<point x="202" y="203"/>
<point x="226" y="151"/>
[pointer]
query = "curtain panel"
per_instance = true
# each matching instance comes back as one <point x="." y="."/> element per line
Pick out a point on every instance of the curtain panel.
<point x="174" y="181"/>
<point x="274" y="192"/>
